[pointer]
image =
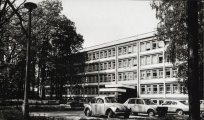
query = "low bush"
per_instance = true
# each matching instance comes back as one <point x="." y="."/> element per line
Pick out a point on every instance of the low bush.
<point x="11" y="114"/>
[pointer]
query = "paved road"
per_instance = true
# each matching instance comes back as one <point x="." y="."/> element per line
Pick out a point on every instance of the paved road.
<point x="78" y="114"/>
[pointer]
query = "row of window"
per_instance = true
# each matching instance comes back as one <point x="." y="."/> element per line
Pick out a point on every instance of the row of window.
<point x="158" y="73"/>
<point x="101" y="78"/>
<point x="102" y="54"/>
<point x="124" y="76"/>
<point x="130" y="62"/>
<point x="159" y="89"/>
<point x="122" y="63"/>
<point x="150" y="45"/>
<point x="128" y="49"/>
<point x="151" y="59"/>
<point x="103" y="66"/>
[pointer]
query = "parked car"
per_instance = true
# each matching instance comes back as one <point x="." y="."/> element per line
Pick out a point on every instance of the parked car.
<point x="141" y="105"/>
<point x="177" y="106"/>
<point x="108" y="106"/>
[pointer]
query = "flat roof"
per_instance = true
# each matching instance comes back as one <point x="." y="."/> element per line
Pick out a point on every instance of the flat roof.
<point x="119" y="41"/>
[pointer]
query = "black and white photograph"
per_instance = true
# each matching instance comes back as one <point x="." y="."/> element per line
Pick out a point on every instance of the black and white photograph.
<point x="101" y="60"/>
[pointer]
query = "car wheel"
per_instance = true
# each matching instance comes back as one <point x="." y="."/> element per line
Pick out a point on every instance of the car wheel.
<point x="151" y="113"/>
<point x="110" y="114"/>
<point x="179" y="112"/>
<point x="126" y="115"/>
<point x="88" y="112"/>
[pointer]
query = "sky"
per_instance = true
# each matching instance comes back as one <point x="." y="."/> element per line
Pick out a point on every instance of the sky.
<point x="101" y="21"/>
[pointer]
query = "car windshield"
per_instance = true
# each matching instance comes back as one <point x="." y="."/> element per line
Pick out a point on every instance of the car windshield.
<point x="111" y="100"/>
<point x="184" y="102"/>
<point x="149" y="102"/>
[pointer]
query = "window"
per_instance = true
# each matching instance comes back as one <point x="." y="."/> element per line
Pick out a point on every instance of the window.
<point x="175" y="89"/>
<point x="161" y="89"/>
<point x="93" y="100"/>
<point x="139" y="101"/>
<point x="109" y="53"/>
<point x="134" y="75"/>
<point x="148" y="73"/>
<point x="125" y="63"/>
<point x="102" y="53"/>
<point x="105" y="78"/>
<point x="134" y="48"/>
<point x="160" y="44"/>
<point x="125" y="76"/>
<point x="94" y="57"/>
<point x="142" y="75"/>
<point x="124" y="50"/>
<point x="154" y="59"/>
<point x="148" y="60"/>
<point x="134" y="61"/>
<point x="168" y="73"/>
<point x="160" y="73"/>
<point x="113" y="66"/>
<point x="120" y="51"/>
<point x="155" y="89"/>
<point x="142" y="60"/>
<point x="147" y="45"/>
<point x="101" y="66"/>
<point x="142" y="89"/>
<point x="174" y="72"/>
<point x="129" y="62"/>
<point x="113" y="52"/>
<point x="120" y="63"/>
<point x="109" y="65"/>
<point x="154" y="72"/>
<point x="148" y="89"/>
<point x="168" y="89"/>
<point x="130" y="75"/>
<point x="113" y="77"/>
<point x="129" y="49"/>
<point x="101" y="78"/>
<point x="160" y="58"/>
<point x="109" y="78"/>
<point x="97" y="55"/>
<point x="131" y="101"/>
<point x="142" y="47"/>
<point x="154" y="44"/>
<point x="105" y="54"/>
<point x="120" y="76"/>
<point x="105" y="66"/>
<point x="99" y="101"/>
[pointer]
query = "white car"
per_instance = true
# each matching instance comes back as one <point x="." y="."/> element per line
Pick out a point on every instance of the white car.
<point x="106" y="106"/>
<point x="141" y="105"/>
<point x="176" y="106"/>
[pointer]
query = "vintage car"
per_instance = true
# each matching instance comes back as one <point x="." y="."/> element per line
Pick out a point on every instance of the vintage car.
<point x="177" y="106"/>
<point x="142" y="105"/>
<point x="108" y="106"/>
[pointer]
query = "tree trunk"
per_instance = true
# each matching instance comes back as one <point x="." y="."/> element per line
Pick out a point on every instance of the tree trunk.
<point x="193" y="79"/>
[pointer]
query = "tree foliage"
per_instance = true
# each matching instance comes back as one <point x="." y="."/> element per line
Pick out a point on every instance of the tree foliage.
<point x="175" y="27"/>
<point x="54" y="40"/>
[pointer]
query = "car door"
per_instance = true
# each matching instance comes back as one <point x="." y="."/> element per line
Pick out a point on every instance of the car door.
<point x="100" y="106"/>
<point x="139" y="105"/>
<point x="131" y="105"/>
<point x="174" y="106"/>
<point x="93" y="105"/>
<point x="168" y="104"/>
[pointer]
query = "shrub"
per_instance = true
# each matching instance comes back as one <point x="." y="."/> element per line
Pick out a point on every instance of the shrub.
<point x="11" y="114"/>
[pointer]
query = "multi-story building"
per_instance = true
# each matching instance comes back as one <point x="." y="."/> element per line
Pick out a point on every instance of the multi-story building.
<point x="130" y="67"/>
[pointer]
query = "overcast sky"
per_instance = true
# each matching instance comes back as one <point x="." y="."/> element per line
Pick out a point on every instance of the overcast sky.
<point x="101" y="21"/>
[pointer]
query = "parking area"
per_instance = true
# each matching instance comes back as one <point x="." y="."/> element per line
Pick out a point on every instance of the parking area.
<point x="78" y="114"/>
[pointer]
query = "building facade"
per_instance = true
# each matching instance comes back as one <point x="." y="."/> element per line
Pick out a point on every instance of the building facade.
<point x="130" y="67"/>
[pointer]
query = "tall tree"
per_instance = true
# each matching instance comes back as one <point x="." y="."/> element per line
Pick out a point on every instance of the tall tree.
<point x="179" y="27"/>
